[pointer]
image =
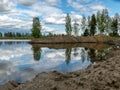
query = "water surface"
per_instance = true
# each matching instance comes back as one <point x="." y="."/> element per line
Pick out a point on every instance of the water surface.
<point x="20" y="61"/>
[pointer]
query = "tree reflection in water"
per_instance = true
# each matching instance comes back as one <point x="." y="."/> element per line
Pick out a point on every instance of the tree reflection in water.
<point x="97" y="55"/>
<point x="36" y="52"/>
<point x="75" y="50"/>
<point x="1" y="43"/>
<point x="68" y="55"/>
<point x="83" y="55"/>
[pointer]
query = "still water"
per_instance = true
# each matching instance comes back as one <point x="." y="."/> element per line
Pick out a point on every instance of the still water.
<point x="20" y="61"/>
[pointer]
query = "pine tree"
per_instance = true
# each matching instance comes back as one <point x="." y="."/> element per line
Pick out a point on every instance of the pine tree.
<point x="92" y="25"/>
<point x="86" y="33"/>
<point x="68" y="55"/>
<point x="103" y="21"/>
<point x="0" y="34"/>
<point x="68" y="25"/>
<point x="36" y="29"/>
<point x="114" y="27"/>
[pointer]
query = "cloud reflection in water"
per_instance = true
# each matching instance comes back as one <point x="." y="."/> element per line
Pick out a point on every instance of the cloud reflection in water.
<point x="21" y="61"/>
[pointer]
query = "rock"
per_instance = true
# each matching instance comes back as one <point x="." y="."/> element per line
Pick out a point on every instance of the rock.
<point x="9" y="86"/>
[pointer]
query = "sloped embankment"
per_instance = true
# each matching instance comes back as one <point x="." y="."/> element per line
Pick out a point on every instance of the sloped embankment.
<point x="71" y="39"/>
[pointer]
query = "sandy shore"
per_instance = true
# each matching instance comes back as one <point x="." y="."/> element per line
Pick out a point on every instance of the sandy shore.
<point x="104" y="75"/>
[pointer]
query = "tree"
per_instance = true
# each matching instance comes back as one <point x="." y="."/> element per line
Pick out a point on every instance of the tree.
<point x="68" y="25"/>
<point x="103" y="21"/>
<point x="76" y="29"/>
<point x="86" y="33"/>
<point x="36" y="29"/>
<point x="36" y="52"/>
<point x="68" y="55"/>
<point x="114" y="27"/>
<point x="92" y="25"/>
<point x="0" y="34"/>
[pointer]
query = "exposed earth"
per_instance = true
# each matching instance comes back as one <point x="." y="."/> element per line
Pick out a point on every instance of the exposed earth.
<point x="72" y="39"/>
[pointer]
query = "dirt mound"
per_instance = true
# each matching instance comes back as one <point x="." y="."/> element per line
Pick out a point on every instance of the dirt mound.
<point x="102" y="38"/>
<point x="9" y="86"/>
<point x="71" y="39"/>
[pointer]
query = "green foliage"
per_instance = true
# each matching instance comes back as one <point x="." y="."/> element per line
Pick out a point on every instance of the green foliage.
<point x="68" y="25"/>
<point x="36" y="29"/>
<point x="103" y="21"/>
<point x="16" y="35"/>
<point x="0" y="34"/>
<point x="92" y="25"/>
<point x="36" y="52"/>
<point x="86" y="33"/>
<point x="68" y="55"/>
<point x="114" y="27"/>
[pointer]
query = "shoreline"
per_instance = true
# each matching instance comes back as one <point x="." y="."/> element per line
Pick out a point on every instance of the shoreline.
<point x="102" y="76"/>
<point x="72" y="39"/>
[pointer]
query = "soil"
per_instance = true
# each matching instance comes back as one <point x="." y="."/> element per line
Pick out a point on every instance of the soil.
<point x="71" y="39"/>
<point x="95" y="46"/>
<point x="104" y="75"/>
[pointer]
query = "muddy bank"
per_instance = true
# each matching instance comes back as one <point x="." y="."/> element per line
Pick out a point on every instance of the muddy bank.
<point x="72" y="39"/>
<point x="104" y="75"/>
<point x="95" y="46"/>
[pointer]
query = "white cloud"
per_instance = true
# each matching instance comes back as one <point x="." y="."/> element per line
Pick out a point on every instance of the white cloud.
<point x="6" y="6"/>
<point x="12" y="52"/>
<point x="98" y="7"/>
<point x="27" y="2"/>
<point x="55" y="18"/>
<point x="49" y="11"/>
<point x="9" y="22"/>
<point x="86" y="6"/>
<point x="52" y="2"/>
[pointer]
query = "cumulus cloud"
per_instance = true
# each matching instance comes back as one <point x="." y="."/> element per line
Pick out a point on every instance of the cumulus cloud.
<point x="75" y="4"/>
<point x="55" y="18"/>
<point x="6" y="6"/>
<point x="52" y="2"/>
<point x="49" y="11"/>
<point x="98" y="7"/>
<point x="86" y="5"/>
<point x="22" y="17"/>
<point x="12" y="52"/>
<point x="27" y="2"/>
<point x="12" y="23"/>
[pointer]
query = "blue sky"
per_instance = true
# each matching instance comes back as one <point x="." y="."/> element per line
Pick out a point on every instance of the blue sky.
<point x="17" y="15"/>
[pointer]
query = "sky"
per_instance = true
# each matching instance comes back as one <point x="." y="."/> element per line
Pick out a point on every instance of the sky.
<point x="17" y="15"/>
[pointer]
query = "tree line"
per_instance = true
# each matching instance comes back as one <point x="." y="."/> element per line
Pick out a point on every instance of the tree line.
<point x="99" y="23"/>
<point x="14" y="35"/>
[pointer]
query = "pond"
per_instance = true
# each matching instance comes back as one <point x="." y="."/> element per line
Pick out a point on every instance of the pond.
<point x="21" y="61"/>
